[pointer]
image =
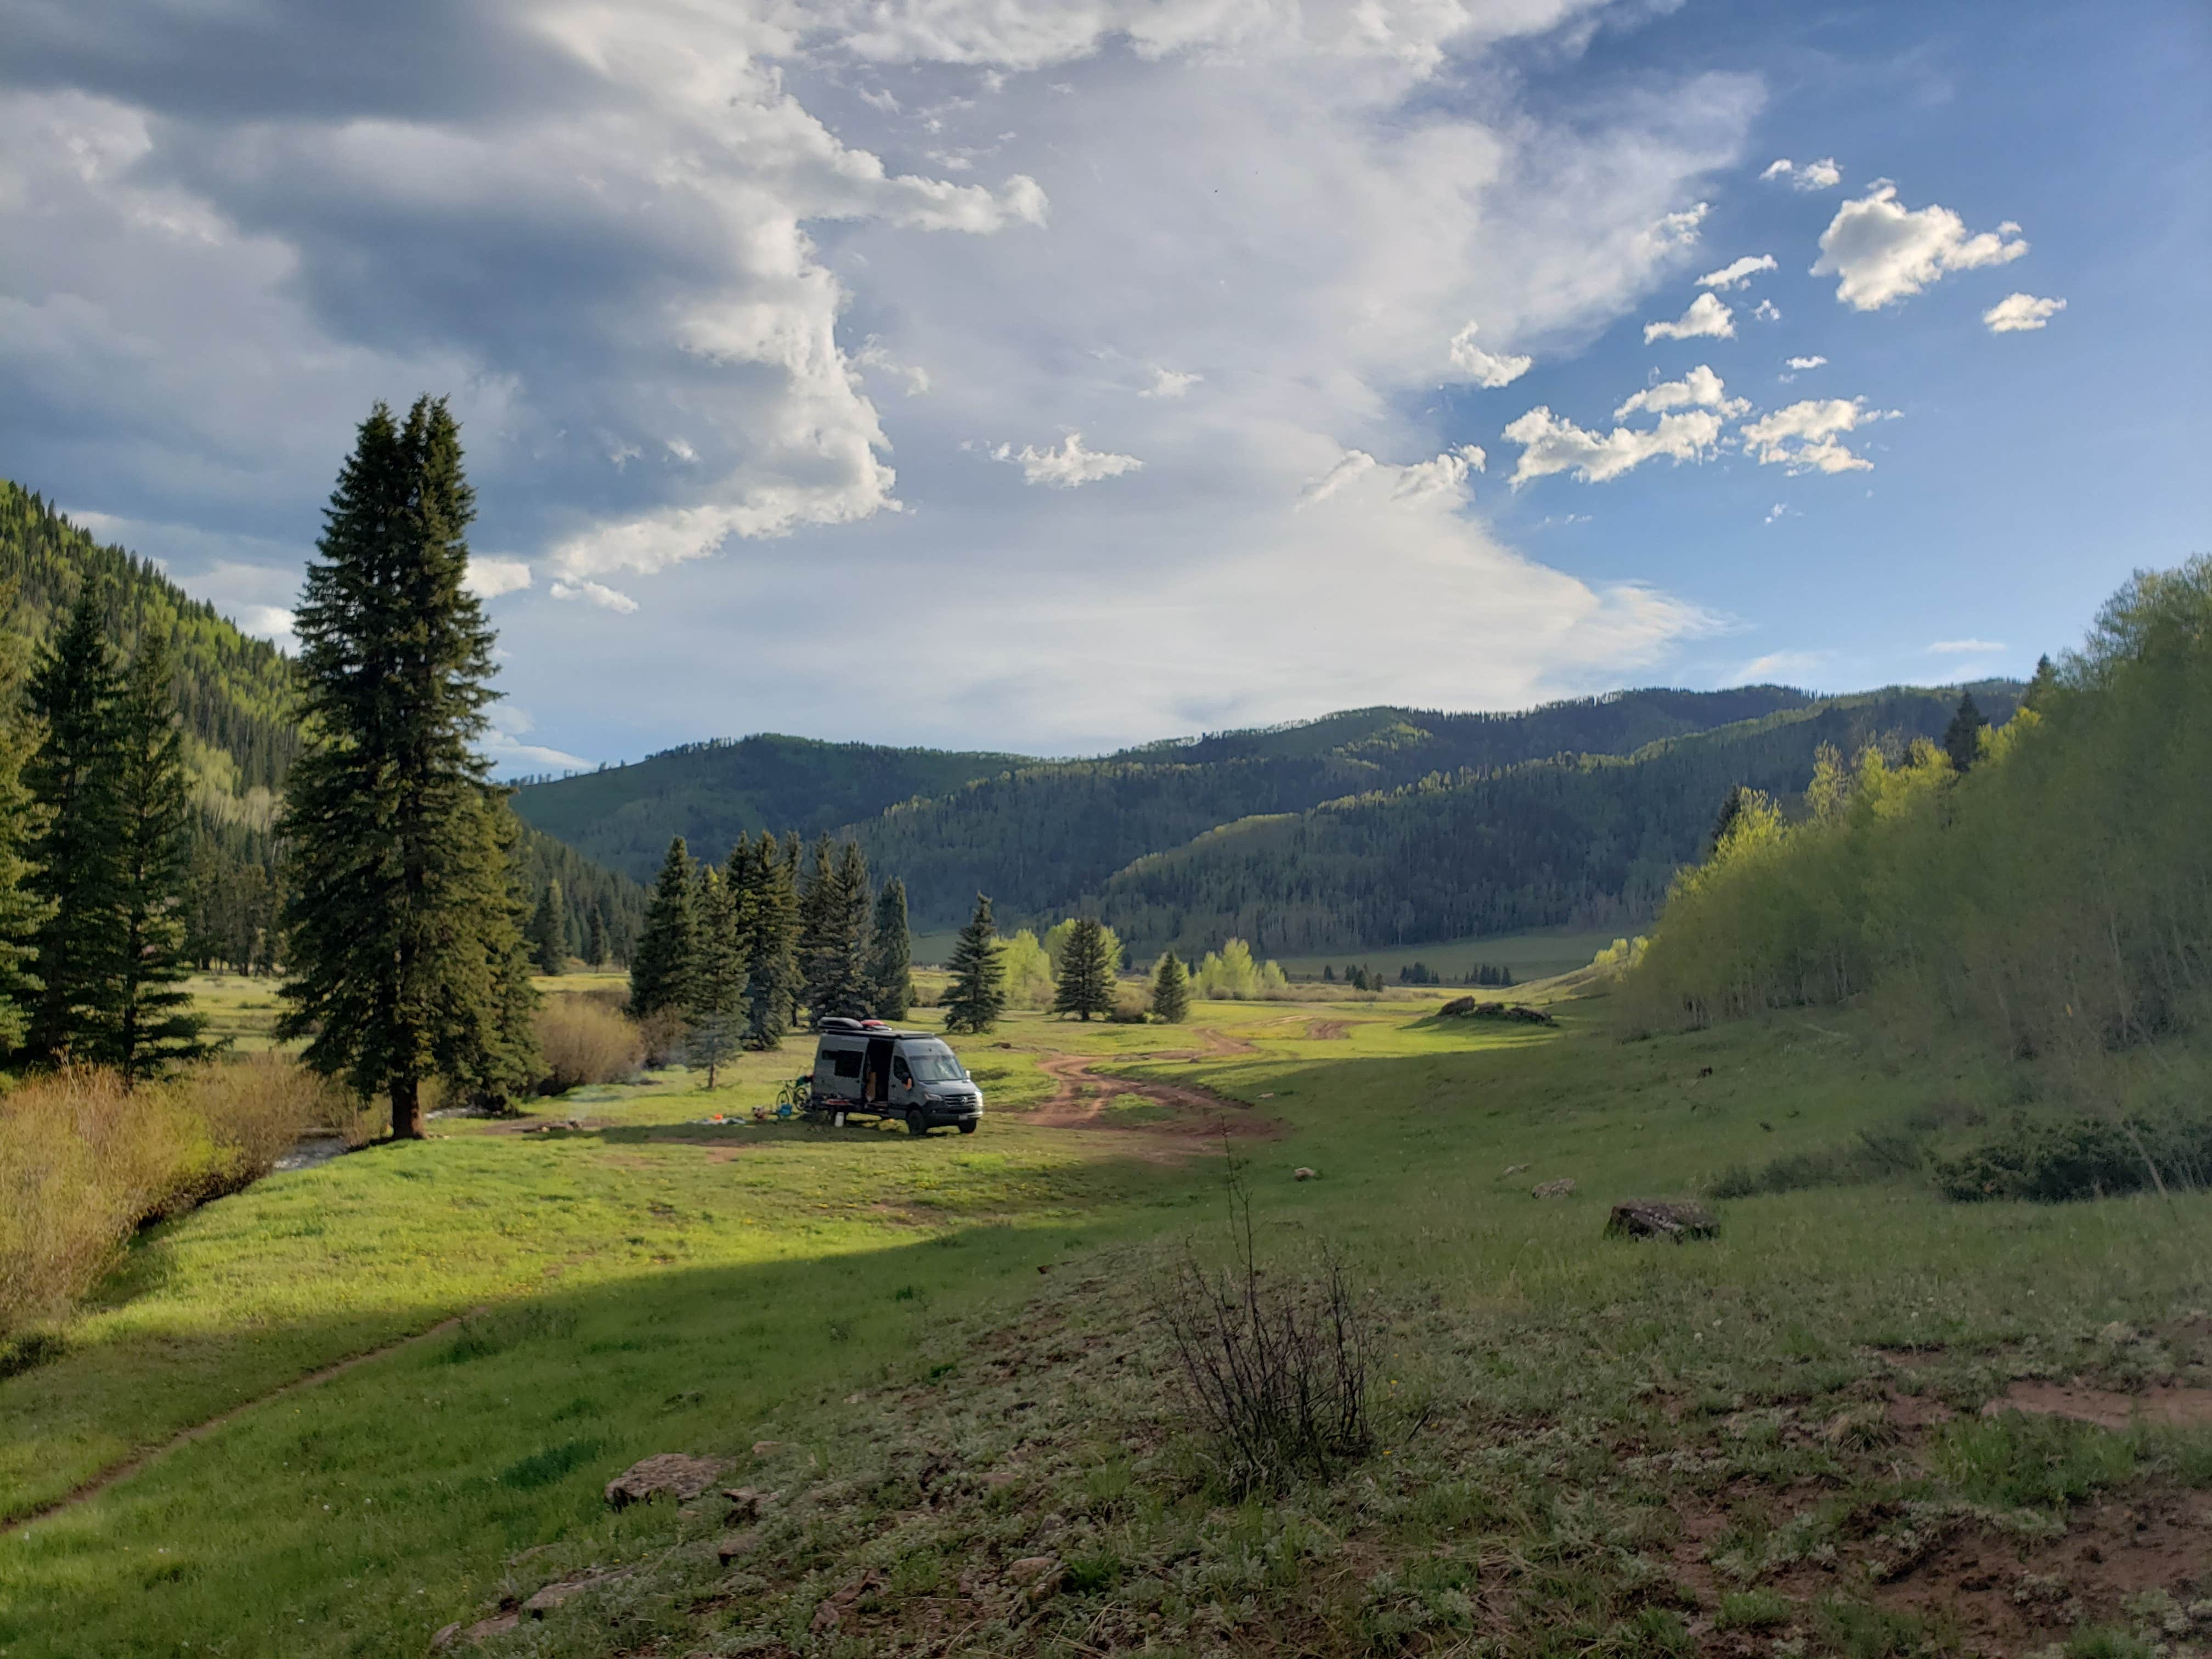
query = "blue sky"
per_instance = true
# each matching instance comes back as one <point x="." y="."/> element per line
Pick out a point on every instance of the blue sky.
<point x="1057" y="376"/>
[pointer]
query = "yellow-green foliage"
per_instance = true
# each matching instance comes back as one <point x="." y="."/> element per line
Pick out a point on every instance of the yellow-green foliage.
<point x="586" y="1039"/>
<point x="2056" y="898"/>
<point x="1231" y="973"/>
<point x="83" y="1162"/>
<point x="1028" y="971"/>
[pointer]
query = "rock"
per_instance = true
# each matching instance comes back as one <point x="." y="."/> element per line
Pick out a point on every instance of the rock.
<point x="553" y="1595"/>
<point x="1558" y="1188"/>
<point x="1517" y="1169"/>
<point x="1032" y="1568"/>
<point x="1653" y="1218"/>
<point x="736" y="1544"/>
<point x="744" y="1503"/>
<point x="443" y="1638"/>
<point x="1468" y="1008"/>
<point x="826" y="1617"/>
<point x="666" y="1475"/>
<point x="1302" y="1174"/>
<point x="763" y="1448"/>
<point x="497" y="1624"/>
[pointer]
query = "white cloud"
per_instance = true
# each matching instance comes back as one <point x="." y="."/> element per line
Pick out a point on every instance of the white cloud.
<point x="1779" y="511"/>
<point x="1550" y="444"/>
<point x="1880" y="251"/>
<point x="1706" y="316"/>
<point x="1803" y="436"/>
<point x="489" y="577"/>
<point x="1737" y="274"/>
<point x="591" y="592"/>
<point x="1699" y="388"/>
<point x="1169" y="383"/>
<point x="1964" y="647"/>
<point x="1808" y="362"/>
<point x="1486" y="369"/>
<point x="1767" y="312"/>
<point x="874" y="353"/>
<point x="268" y="622"/>
<point x="1068" y="466"/>
<point x="1776" y="665"/>
<point x="2017" y="313"/>
<point x="1823" y="174"/>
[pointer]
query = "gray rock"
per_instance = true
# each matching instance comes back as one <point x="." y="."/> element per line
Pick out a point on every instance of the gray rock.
<point x="1656" y="1218"/>
<point x="666" y="1475"/>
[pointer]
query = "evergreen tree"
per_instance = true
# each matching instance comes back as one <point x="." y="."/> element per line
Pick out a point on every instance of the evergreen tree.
<point x="1328" y="974"/>
<point x="1170" y="989"/>
<point x="402" y="940"/>
<point x="21" y="909"/>
<point x="76" y="856"/>
<point x="2039" y="689"/>
<point x="548" y="931"/>
<point x="1732" y="804"/>
<point x="977" y="994"/>
<point x="763" y="879"/>
<point x="833" y="907"/>
<point x="597" y="948"/>
<point x="661" y="968"/>
<point x="891" y="955"/>
<point x="502" y="1061"/>
<point x="1962" y="739"/>
<point x="154" y="1025"/>
<point x="1084" y="985"/>
<point x="716" y="1011"/>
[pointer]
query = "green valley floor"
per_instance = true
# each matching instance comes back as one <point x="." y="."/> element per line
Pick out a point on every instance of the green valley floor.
<point x="938" y="1368"/>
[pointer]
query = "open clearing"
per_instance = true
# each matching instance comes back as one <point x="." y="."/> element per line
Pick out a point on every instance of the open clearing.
<point x="941" y="1358"/>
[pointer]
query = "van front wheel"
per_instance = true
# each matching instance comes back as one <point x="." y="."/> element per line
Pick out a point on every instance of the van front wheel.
<point x="967" y="1126"/>
<point x="917" y="1124"/>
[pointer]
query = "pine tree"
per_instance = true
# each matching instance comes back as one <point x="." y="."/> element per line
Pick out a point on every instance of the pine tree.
<point x="2040" y="689"/>
<point x="661" y="966"/>
<point x="1962" y="738"/>
<point x="977" y="996"/>
<point x="597" y="948"/>
<point x="21" y="909"/>
<point x="833" y="919"/>
<point x="767" y="914"/>
<point x="716" y="1011"/>
<point x="891" y="955"/>
<point x="77" y="852"/>
<point x="1328" y="974"/>
<point x="154" y="1025"/>
<point x="1085" y="982"/>
<point x="1170" y="989"/>
<point x="548" y="931"/>
<point x="401" y="936"/>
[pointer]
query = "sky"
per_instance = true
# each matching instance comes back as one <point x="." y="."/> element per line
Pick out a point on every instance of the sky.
<point x="1049" y="375"/>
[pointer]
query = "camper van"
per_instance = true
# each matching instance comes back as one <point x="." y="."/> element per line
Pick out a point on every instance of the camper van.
<point x="865" y="1067"/>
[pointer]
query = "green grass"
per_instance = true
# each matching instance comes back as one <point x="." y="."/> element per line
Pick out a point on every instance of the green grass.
<point x="1535" y="955"/>
<point x="1554" y="1400"/>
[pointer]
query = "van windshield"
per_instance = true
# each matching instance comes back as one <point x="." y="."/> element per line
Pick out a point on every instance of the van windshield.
<point x="932" y="1062"/>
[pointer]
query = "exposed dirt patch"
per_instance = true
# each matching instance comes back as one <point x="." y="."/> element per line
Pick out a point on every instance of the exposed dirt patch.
<point x="1916" y="1411"/>
<point x="2166" y="1405"/>
<point x="1328" y="1031"/>
<point x="1217" y="1044"/>
<point x="1083" y="1099"/>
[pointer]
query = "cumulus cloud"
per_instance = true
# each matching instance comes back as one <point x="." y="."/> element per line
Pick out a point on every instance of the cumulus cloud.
<point x="1739" y="273"/>
<point x="490" y="577"/>
<point x="1879" y="250"/>
<point x="2016" y="313"/>
<point x="1700" y="388"/>
<point x="1486" y="369"/>
<point x="591" y="592"/>
<point x="874" y="353"/>
<point x="1767" y="312"/>
<point x="1802" y="363"/>
<point x="1823" y="174"/>
<point x="1707" y="316"/>
<point x="1169" y="383"/>
<point x="1067" y="466"/>
<point x="1803" y="436"/>
<point x="1550" y="444"/>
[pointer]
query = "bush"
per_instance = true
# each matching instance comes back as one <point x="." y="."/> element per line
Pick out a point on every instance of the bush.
<point x="2052" y="1162"/>
<point x="84" y="1163"/>
<point x="583" y="1041"/>
<point x="1873" y="1155"/>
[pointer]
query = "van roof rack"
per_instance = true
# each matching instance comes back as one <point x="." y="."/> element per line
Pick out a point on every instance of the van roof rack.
<point x="839" y="1023"/>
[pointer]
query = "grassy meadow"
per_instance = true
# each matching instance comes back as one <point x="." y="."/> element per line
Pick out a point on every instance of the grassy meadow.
<point x="943" y="1362"/>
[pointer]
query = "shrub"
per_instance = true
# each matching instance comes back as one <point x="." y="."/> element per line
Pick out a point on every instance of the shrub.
<point x="661" y="1037"/>
<point x="2052" y="1162"/>
<point x="1873" y="1155"/>
<point x="584" y="1041"/>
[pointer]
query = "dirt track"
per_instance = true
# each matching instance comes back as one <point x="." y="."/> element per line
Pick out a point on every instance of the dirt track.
<point x="1082" y="1095"/>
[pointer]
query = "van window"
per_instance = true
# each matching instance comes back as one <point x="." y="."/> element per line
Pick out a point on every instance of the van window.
<point x="845" y="1062"/>
<point x="899" y="1071"/>
<point x="934" y="1063"/>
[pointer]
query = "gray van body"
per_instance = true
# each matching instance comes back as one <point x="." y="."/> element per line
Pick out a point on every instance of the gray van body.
<point x="872" y="1068"/>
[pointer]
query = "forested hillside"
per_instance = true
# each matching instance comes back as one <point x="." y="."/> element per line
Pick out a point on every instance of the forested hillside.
<point x="1587" y="841"/>
<point x="235" y="697"/>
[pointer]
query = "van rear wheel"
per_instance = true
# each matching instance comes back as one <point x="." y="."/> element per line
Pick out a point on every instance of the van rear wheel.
<point x="917" y="1124"/>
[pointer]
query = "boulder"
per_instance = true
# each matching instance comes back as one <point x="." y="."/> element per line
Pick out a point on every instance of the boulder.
<point x="1655" y="1218"/>
<point x="1558" y="1188"/>
<point x="736" y="1544"/>
<point x="666" y="1474"/>
<point x="1302" y="1174"/>
<point x="1468" y="1008"/>
<point x="553" y="1595"/>
<point x="1031" y="1568"/>
<point x="744" y="1503"/>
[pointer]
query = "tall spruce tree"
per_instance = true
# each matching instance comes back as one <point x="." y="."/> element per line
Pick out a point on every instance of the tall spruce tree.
<point x="1962" y="738"/>
<point x="597" y="947"/>
<point x="891" y="955"/>
<point x="20" y="908"/>
<point x="661" y="967"/>
<point x="1171" y="988"/>
<point x="833" y="914"/>
<point x="2041" y="687"/>
<point x="156" y="1027"/>
<point x="76" y="856"/>
<point x="402" y="939"/>
<point x="548" y="931"/>
<point x="977" y="994"/>
<point x="716" y="1011"/>
<point x="1085" y="983"/>
<point x="768" y="916"/>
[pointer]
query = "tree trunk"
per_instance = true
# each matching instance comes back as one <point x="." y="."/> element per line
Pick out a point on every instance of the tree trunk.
<point x="406" y="1109"/>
